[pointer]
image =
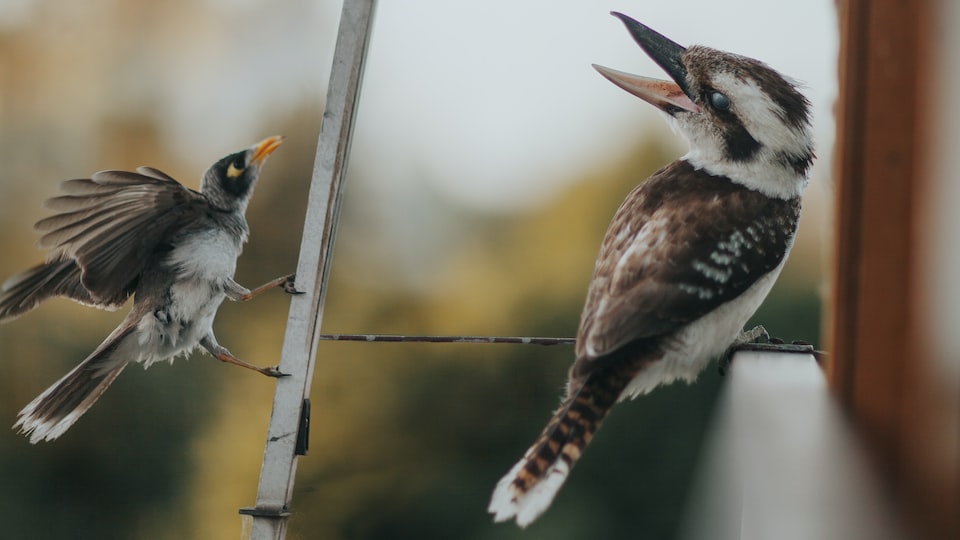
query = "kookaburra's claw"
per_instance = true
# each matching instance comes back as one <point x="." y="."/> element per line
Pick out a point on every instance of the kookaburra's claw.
<point x="757" y="334"/>
<point x="757" y="339"/>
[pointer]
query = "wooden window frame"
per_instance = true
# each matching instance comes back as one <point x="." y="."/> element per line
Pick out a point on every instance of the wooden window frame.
<point x="881" y="367"/>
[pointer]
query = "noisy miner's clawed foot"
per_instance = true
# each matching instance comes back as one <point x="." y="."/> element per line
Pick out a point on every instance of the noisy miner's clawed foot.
<point x="289" y="285"/>
<point x="273" y="371"/>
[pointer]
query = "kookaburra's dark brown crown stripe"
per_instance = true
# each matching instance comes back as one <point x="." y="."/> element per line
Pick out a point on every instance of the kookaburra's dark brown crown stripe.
<point x="120" y="233"/>
<point x="689" y="255"/>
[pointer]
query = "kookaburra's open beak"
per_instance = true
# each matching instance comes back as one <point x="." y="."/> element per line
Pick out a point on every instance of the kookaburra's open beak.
<point x="264" y="148"/>
<point x="666" y="95"/>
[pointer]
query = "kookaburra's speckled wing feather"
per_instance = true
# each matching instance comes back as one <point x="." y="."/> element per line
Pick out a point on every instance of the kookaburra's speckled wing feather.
<point x="682" y="243"/>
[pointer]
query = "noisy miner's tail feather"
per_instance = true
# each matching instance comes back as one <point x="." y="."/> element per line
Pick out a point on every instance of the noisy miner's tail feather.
<point x="52" y="413"/>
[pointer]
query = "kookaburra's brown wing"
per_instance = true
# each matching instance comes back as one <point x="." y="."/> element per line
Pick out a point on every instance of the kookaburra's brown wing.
<point x="104" y="232"/>
<point x="682" y="243"/>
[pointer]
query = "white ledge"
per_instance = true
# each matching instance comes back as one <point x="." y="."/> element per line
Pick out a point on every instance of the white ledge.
<point x="781" y="462"/>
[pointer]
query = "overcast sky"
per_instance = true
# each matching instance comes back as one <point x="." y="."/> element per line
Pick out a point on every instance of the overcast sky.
<point x="491" y="102"/>
<point x="494" y="101"/>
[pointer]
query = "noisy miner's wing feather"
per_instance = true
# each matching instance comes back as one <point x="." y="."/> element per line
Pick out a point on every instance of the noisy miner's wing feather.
<point x="112" y="222"/>
<point x="155" y="173"/>
<point x="26" y="290"/>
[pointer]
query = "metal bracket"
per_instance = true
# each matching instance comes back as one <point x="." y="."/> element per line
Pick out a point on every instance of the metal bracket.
<point x="303" y="431"/>
<point x="265" y="512"/>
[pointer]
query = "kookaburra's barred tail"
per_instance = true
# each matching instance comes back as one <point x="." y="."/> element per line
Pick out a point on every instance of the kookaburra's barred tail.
<point x="52" y="413"/>
<point x="530" y="486"/>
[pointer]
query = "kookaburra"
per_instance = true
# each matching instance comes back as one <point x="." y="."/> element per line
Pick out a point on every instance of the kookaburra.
<point x="690" y="254"/>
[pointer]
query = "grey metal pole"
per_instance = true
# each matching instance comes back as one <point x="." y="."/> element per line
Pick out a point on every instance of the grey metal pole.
<point x="286" y="435"/>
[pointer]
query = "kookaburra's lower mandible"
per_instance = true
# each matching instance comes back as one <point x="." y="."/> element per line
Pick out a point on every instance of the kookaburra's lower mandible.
<point x="688" y="257"/>
<point x="144" y="234"/>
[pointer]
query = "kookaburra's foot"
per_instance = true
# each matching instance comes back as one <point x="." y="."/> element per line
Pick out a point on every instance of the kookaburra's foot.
<point x="757" y="339"/>
<point x="757" y="334"/>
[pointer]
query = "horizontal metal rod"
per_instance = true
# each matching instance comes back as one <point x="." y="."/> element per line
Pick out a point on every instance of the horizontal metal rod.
<point x="775" y="346"/>
<point x="394" y="338"/>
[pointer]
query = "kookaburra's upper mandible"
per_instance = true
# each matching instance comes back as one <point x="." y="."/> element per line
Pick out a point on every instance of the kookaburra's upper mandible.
<point x="121" y="233"/>
<point x="690" y="254"/>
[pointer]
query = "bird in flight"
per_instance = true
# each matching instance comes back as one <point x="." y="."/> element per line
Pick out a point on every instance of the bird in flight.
<point x="689" y="255"/>
<point x="144" y="234"/>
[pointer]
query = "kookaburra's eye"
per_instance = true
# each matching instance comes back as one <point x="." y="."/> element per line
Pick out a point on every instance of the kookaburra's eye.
<point x="235" y="168"/>
<point x="719" y="101"/>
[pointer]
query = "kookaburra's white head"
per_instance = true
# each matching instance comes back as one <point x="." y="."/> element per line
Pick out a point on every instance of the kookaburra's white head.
<point x="743" y="120"/>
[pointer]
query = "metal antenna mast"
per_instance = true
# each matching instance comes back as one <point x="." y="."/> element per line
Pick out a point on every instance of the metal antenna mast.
<point x="289" y="421"/>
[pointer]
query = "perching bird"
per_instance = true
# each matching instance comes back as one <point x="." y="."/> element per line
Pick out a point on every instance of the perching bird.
<point x="688" y="257"/>
<point x="174" y="249"/>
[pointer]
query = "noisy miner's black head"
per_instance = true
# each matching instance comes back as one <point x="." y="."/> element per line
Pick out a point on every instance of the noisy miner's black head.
<point x="228" y="183"/>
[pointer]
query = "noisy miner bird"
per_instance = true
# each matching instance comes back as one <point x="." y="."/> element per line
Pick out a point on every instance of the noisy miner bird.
<point x="688" y="257"/>
<point x="144" y="234"/>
